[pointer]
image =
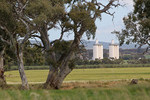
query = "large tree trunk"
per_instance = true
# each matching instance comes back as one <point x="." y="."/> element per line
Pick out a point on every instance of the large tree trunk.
<point x="2" y="78"/>
<point x="55" y="77"/>
<point x="57" y="74"/>
<point x="62" y="75"/>
<point x="19" y="52"/>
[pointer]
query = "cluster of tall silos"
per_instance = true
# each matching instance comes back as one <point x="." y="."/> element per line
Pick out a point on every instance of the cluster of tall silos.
<point x="98" y="50"/>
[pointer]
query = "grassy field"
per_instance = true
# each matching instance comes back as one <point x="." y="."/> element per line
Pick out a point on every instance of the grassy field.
<point x="94" y="89"/>
<point x="85" y="74"/>
<point x="126" y="92"/>
<point x="147" y="56"/>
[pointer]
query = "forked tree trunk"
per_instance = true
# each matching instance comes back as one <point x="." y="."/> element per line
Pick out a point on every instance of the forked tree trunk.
<point x="55" y="77"/>
<point x="25" y="84"/>
<point x="57" y="74"/>
<point x="2" y="78"/>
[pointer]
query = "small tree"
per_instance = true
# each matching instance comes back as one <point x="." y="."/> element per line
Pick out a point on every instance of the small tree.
<point x="15" y="34"/>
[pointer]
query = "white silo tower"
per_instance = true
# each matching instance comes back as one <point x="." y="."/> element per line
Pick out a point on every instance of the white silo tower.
<point x="117" y="51"/>
<point x="100" y="49"/>
<point x="97" y="51"/>
<point x="113" y="50"/>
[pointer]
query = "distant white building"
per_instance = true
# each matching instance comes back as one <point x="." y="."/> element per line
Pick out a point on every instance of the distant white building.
<point x="113" y="50"/>
<point x="97" y="51"/>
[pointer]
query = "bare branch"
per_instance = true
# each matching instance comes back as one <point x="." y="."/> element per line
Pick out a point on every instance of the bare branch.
<point x="5" y="29"/>
<point x="108" y="6"/>
<point x="25" y="5"/>
<point x="38" y="46"/>
<point x="36" y="36"/>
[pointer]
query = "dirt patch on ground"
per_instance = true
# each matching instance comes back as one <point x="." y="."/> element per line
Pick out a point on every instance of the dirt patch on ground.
<point x="94" y="84"/>
<point x="81" y="84"/>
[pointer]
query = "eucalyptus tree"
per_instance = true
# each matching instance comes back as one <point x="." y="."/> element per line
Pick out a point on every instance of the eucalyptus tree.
<point x="137" y="25"/>
<point x="4" y="18"/>
<point x="79" y="20"/>
<point x="15" y="34"/>
<point x="70" y="16"/>
<point x="2" y="51"/>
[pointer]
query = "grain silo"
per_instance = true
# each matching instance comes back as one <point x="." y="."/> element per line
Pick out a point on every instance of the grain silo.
<point x="97" y="51"/>
<point x="113" y="50"/>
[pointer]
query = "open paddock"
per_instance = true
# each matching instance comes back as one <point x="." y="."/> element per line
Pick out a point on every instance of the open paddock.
<point x="98" y="74"/>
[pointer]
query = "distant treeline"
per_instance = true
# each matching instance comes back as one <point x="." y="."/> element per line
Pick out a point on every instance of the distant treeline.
<point x="113" y="61"/>
<point x="82" y="66"/>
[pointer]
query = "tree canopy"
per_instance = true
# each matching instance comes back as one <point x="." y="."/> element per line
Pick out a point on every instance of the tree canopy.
<point x="34" y="19"/>
<point x="137" y="25"/>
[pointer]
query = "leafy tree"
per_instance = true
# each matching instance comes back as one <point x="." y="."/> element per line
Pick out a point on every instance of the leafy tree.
<point x="4" y="18"/>
<point x="70" y="16"/>
<point x="137" y="25"/>
<point x="16" y="33"/>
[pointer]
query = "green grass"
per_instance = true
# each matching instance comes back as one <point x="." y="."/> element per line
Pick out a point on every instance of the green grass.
<point x="147" y="56"/>
<point x="130" y="92"/>
<point x="118" y="90"/>
<point x="84" y="74"/>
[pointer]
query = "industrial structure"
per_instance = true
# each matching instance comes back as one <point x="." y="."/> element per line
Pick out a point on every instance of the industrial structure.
<point x="97" y="51"/>
<point x="113" y="50"/>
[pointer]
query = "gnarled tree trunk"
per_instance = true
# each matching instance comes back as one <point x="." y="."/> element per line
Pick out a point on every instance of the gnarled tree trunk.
<point x="57" y="74"/>
<point x="2" y="78"/>
<point x="56" y="77"/>
<point x="19" y="52"/>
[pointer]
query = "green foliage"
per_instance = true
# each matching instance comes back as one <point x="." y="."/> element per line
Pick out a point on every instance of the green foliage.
<point x="139" y="61"/>
<point x="97" y="61"/>
<point x="33" y="55"/>
<point x="6" y="15"/>
<point x="42" y="11"/>
<point x="142" y="8"/>
<point x="62" y="47"/>
<point x="137" y="25"/>
<point x="80" y="14"/>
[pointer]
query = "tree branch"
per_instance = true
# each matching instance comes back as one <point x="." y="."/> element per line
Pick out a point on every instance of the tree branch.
<point x="36" y="36"/>
<point x="27" y="36"/>
<point x="5" y="41"/>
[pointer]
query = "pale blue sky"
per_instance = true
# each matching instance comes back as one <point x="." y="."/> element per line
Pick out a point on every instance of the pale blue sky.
<point x="106" y="25"/>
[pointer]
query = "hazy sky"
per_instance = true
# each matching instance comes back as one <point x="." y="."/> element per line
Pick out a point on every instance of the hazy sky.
<point x="106" y="25"/>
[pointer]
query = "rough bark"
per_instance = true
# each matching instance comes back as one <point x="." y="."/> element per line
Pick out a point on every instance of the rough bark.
<point x="55" y="78"/>
<point x="57" y="74"/>
<point x="19" y="52"/>
<point x="2" y="78"/>
<point x="62" y="75"/>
